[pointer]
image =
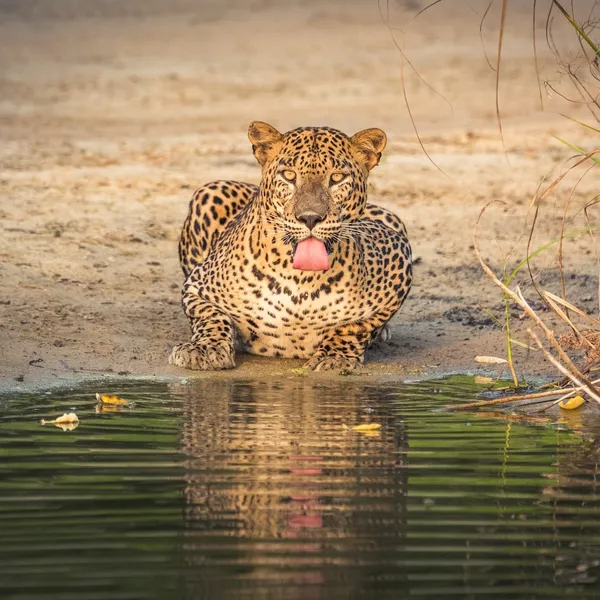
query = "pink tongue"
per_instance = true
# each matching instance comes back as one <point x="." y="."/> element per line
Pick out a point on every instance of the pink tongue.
<point x="311" y="255"/>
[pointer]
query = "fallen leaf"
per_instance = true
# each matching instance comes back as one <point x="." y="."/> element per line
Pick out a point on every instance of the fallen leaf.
<point x="67" y="422"/>
<point x="68" y="426"/>
<point x="572" y="403"/>
<point x="349" y="372"/>
<point x="299" y="371"/>
<point x="66" y="418"/>
<point x="116" y="400"/>
<point x="490" y="360"/>
<point x="367" y="427"/>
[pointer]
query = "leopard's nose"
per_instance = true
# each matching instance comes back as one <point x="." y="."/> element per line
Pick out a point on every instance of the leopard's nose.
<point x="310" y="219"/>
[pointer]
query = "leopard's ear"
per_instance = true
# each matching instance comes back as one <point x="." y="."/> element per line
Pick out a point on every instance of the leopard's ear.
<point x="265" y="141"/>
<point x="368" y="145"/>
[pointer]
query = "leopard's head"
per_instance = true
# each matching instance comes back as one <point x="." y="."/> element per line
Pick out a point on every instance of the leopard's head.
<point x="314" y="179"/>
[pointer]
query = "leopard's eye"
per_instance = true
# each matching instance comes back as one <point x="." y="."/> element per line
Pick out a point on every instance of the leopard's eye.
<point x="289" y="175"/>
<point x="336" y="178"/>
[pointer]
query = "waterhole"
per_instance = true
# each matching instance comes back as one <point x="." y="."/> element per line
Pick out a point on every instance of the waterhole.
<point x="264" y="489"/>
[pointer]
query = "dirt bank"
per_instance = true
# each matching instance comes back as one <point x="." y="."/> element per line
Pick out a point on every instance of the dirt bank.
<point x="111" y="114"/>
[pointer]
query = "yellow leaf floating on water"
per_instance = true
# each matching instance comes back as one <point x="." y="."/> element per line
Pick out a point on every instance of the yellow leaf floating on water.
<point x="367" y="427"/>
<point x="572" y="403"/>
<point x="66" y="418"/>
<point x="115" y="400"/>
<point x="67" y="422"/>
<point x="68" y="426"/>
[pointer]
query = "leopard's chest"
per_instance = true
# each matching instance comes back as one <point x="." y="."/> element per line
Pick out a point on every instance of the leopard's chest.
<point x="286" y="313"/>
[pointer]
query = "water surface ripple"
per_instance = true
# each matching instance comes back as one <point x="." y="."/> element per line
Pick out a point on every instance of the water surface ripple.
<point x="261" y="489"/>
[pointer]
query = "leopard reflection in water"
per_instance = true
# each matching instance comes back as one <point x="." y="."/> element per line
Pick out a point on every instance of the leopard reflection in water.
<point x="271" y="462"/>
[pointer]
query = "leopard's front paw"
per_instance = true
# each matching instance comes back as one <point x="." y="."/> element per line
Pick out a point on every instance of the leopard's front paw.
<point x="329" y="362"/>
<point x="384" y="335"/>
<point x="202" y="358"/>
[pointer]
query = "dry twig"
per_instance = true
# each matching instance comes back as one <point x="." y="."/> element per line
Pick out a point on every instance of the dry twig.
<point x="584" y="383"/>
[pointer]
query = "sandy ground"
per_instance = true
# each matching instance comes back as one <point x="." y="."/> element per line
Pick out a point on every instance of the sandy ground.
<point x="111" y="113"/>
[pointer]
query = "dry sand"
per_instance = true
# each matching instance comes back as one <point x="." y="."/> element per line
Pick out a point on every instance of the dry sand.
<point x="111" y="113"/>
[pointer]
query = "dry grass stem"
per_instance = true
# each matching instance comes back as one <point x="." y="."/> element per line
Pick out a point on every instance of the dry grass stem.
<point x="569" y="394"/>
<point x="515" y="398"/>
<point x="498" y="64"/>
<point x="588" y="387"/>
<point x="519" y="299"/>
<point x="573" y="372"/>
<point x="518" y="296"/>
<point x="553" y="297"/>
<point x="565" y="317"/>
<point x="563" y="392"/>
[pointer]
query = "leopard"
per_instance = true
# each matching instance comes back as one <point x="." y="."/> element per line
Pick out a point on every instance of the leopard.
<point x="300" y="266"/>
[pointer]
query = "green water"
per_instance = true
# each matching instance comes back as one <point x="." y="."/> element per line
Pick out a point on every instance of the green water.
<point x="255" y="489"/>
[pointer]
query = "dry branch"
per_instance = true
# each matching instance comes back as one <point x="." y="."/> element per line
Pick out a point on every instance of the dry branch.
<point x="585" y="385"/>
